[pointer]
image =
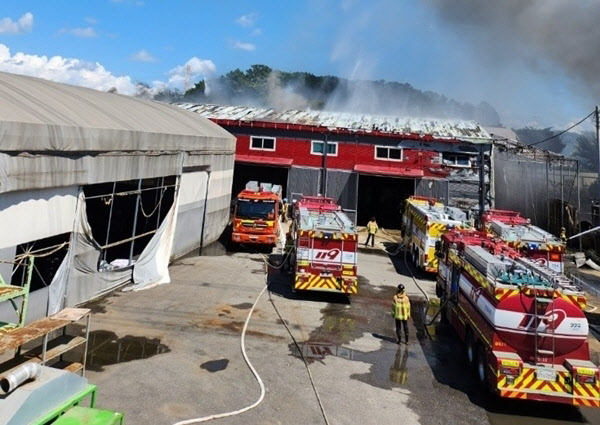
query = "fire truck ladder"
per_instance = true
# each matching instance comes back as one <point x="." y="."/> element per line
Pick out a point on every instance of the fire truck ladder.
<point x="540" y="336"/>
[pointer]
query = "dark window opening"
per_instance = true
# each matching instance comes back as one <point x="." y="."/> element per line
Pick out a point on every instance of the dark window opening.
<point x="114" y="209"/>
<point x="263" y="143"/>
<point x="49" y="254"/>
<point x="388" y="153"/>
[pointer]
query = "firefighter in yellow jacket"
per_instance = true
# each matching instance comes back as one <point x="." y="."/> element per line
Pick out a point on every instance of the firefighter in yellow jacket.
<point x="372" y="228"/>
<point x="401" y="312"/>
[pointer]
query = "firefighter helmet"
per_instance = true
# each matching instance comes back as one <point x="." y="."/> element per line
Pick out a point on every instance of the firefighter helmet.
<point x="401" y="288"/>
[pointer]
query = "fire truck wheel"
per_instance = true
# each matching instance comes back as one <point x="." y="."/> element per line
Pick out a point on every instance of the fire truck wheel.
<point x="481" y="365"/>
<point x="470" y="341"/>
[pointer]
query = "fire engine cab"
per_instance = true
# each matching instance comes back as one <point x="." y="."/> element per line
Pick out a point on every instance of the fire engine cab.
<point x="256" y="214"/>
<point x="325" y="242"/>
<point x="522" y="323"/>
<point x="533" y="242"/>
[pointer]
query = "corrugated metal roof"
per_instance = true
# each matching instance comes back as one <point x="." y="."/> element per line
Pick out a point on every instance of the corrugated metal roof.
<point x="440" y="129"/>
<point x="40" y="115"/>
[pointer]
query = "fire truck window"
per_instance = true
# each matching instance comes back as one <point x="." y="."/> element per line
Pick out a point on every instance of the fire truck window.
<point x="255" y="210"/>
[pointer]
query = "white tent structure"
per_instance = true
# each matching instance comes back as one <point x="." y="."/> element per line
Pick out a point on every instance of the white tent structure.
<point x="115" y="186"/>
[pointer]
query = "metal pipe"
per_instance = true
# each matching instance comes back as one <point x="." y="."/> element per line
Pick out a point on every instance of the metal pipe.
<point x="112" y="203"/>
<point x="21" y="374"/>
<point x="578" y="235"/>
<point x="324" y="181"/>
<point x="162" y="182"/>
<point x="578" y="205"/>
<point x="135" y="217"/>
<point x="204" y="213"/>
<point x="562" y="197"/>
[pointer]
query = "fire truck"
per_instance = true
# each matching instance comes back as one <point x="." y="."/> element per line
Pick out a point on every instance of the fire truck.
<point x="522" y="323"/>
<point x="424" y="221"/>
<point x="325" y="242"/>
<point x="256" y="214"/>
<point x="530" y="240"/>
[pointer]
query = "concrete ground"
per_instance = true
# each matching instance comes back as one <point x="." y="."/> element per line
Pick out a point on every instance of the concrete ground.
<point x="173" y="352"/>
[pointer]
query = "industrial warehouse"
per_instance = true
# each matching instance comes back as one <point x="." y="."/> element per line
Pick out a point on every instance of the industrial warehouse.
<point x="124" y="295"/>
<point x="108" y="184"/>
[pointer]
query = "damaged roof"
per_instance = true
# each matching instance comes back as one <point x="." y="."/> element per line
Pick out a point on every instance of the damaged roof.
<point x="390" y="125"/>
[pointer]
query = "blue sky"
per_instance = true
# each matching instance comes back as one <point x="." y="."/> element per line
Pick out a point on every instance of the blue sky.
<point x="107" y="43"/>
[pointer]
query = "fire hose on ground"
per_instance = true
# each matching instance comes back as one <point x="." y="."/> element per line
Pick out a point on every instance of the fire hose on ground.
<point x="249" y="364"/>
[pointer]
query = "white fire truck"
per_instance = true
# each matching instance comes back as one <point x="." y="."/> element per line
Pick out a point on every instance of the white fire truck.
<point x="522" y="323"/>
<point x="424" y="221"/>
<point x="325" y="247"/>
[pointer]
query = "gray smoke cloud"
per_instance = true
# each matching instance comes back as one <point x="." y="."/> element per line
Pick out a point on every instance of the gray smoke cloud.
<point x="540" y="32"/>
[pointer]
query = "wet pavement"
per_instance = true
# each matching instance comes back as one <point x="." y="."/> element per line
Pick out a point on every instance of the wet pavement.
<point x="184" y="360"/>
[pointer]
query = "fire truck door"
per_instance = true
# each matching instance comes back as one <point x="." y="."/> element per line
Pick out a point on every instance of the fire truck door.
<point x="454" y="284"/>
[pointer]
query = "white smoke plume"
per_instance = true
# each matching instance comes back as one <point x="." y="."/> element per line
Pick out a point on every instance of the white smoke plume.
<point x="282" y="97"/>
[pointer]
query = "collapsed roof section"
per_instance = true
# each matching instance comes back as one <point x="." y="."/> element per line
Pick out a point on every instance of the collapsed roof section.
<point x="41" y="116"/>
<point x="426" y="129"/>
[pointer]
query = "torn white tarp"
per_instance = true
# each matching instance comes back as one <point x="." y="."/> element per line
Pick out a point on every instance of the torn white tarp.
<point x="36" y="214"/>
<point x="152" y="268"/>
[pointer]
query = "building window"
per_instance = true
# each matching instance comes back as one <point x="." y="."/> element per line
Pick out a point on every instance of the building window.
<point x="316" y="148"/>
<point x="456" y="159"/>
<point x="262" y="143"/>
<point x="388" y="154"/>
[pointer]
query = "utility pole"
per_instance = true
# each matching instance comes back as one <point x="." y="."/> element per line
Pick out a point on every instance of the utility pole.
<point x="324" y="175"/>
<point x="597" y="116"/>
<point x="482" y="191"/>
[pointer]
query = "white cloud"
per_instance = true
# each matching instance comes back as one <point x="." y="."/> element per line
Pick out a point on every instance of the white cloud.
<point x="256" y="32"/>
<point x="93" y="74"/>
<point x="90" y="20"/>
<point x="85" y="32"/>
<point x="65" y="70"/>
<point x="249" y="47"/>
<point x="195" y="68"/>
<point x="24" y="24"/>
<point x="248" y="20"/>
<point x="142" y="56"/>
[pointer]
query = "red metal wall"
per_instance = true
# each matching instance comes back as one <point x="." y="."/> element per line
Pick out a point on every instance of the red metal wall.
<point x="348" y="156"/>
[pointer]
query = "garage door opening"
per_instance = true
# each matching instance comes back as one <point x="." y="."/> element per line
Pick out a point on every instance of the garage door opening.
<point x="243" y="173"/>
<point x="382" y="198"/>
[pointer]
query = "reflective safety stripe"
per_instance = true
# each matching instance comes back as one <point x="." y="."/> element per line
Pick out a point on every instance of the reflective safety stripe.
<point x="401" y="307"/>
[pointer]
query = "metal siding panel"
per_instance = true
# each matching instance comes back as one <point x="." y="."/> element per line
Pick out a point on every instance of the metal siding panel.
<point x="342" y="186"/>
<point x="303" y="180"/>
<point x="437" y="189"/>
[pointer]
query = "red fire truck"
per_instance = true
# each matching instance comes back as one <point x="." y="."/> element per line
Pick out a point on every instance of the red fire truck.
<point x="256" y="214"/>
<point x="522" y="323"/>
<point x="530" y="240"/>
<point x="325" y="247"/>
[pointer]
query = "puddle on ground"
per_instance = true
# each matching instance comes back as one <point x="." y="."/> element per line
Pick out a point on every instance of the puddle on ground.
<point x="106" y="348"/>
<point x="242" y="306"/>
<point x="215" y="365"/>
